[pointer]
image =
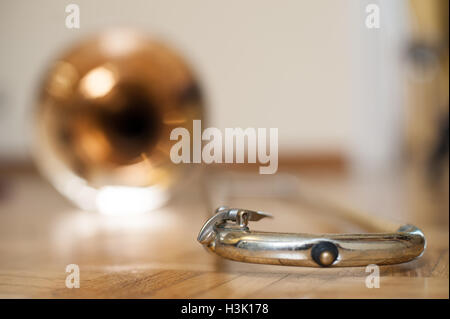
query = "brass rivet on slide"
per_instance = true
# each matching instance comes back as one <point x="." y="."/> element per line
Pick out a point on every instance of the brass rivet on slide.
<point x="326" y="258"/>
<point x="324" y="253"/>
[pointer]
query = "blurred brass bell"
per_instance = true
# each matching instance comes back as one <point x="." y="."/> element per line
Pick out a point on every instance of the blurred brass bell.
<point x="103" y="121"/>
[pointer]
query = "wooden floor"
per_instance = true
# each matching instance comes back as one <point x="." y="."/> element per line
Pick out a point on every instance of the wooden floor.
<point x="156" y="255"/>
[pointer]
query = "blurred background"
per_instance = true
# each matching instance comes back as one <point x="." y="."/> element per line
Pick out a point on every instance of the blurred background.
<point x="362" y="114"/>
<point x="336" y="90"/>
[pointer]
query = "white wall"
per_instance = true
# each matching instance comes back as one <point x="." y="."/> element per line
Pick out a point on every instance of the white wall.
<point x="285" y="64"/>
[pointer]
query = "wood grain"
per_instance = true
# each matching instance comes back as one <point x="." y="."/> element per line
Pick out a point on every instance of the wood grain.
<point x="156" y="255"/>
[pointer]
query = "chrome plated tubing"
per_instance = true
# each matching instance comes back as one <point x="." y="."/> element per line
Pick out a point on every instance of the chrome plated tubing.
<point x="227" y="235"/>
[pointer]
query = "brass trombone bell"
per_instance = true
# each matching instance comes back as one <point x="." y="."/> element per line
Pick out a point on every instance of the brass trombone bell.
<point x="105" y="112"/>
